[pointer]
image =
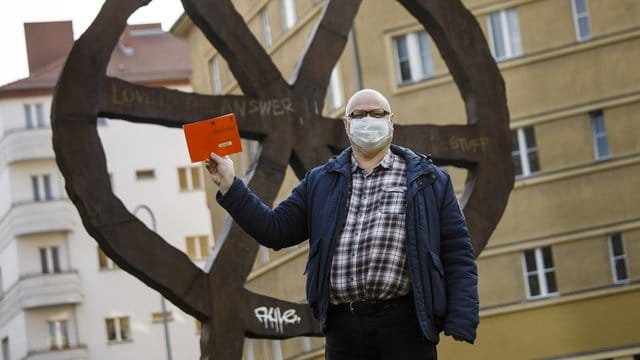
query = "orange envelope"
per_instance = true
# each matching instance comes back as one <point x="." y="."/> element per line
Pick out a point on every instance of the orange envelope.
<point x="218" y="135"/>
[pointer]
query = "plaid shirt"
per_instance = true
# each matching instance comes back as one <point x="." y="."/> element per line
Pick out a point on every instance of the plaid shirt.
<point x="370" y="261"/>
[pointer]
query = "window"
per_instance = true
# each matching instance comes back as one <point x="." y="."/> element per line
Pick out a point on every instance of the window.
<point x="156" y="317"/>
<point x="6" y="354"/>
<point x="50" y="260"/>
<point x="34" y="116"/>
<point x="599" y="133"/>
<point x="539" y="272"/>
<point x="618" y="259"/>
<point x="524" y="152"/>
<point x="197" y="247"/>
<point x="306" y="344"/>
<point x="335" y="95"/>
<point x="58" y="334"/>
<point x="289" y="16"/>
<point x="190" y="178"/>
<point x="118" y="328"/>
<point x="248" y="349"/>
<point x="104" y="262"/>
<point x="504" y="33"/>
<point x="413" y="57"/>
<point x="581" y="19"/>
<point x="41" y="187"/>
<point x="264" y="254"/>
<point x="216" y="81"/>
<point x="145" y="174"/>
<point x="277" y="349"/>
<point x="266" y="28"/>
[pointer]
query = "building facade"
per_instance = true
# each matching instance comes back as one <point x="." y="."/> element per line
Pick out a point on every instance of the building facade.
<point x="60" y="296"/>
<point x="560" y="277"/>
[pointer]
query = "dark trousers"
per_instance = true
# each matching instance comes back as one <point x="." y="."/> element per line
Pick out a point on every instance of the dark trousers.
<point x="392" y="333"/>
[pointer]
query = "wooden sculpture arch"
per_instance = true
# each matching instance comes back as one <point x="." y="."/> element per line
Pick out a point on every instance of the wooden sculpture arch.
<point x="296" y="134"/>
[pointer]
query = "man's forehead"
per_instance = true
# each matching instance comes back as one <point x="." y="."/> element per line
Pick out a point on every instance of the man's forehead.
<point x="366" y="100"/>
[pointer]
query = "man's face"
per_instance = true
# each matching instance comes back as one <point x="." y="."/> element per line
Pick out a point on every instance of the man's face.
<point x="368" y="105"/>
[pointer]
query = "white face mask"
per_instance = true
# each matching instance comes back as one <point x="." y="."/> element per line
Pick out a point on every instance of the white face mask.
<point x="369" y="133"/>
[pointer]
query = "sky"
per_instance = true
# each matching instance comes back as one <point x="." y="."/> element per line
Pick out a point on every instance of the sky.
<point x="14" y="13"/>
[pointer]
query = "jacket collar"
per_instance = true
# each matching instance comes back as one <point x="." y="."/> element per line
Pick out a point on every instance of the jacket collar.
<point x="417" y="164"/>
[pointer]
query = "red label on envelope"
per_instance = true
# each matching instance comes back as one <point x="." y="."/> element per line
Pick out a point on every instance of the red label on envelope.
<point x="218" y="135"/>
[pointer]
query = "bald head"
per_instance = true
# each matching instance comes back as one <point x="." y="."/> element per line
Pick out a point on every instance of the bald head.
<point x="368" y="98"/>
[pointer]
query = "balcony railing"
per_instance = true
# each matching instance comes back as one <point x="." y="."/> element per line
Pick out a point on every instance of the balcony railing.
<point x="35" y="217"/>
<point x="26" y="144"/>
<point x="78" y="352"/>
<point x="40" y="290"/>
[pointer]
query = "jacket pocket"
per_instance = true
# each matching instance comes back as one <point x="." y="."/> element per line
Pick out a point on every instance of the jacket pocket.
<point x="438" y="287"/>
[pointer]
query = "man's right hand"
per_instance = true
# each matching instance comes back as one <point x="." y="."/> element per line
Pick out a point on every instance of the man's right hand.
<point x="221" y="171"/>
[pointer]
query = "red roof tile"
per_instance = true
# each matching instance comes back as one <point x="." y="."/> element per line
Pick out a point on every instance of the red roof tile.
<point x="153" y="56"/>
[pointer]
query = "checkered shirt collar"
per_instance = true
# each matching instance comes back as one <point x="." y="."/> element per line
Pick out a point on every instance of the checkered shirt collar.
<point x="386" y="162"/>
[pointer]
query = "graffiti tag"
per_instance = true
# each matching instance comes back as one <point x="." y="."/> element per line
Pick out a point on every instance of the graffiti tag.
<point x="274" y="318"/>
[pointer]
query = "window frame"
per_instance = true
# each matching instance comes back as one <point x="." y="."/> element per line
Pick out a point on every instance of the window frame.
<point x="34" y="116"/>
<point x="510" y="34"/>
<point x="41" y="182"/>
<point x="118" y="331"/>
<point x="276" y="349"/>
<point x="419" y="57"/>
<point x="249" y="352"/>
<point x="145" y="174"/>
<point x="6" y="348"/>
<point x="191" y="183"/>
<point x="109" y="264"/>
<point x="613" y="258"/>
<point x="335" y="90"/>
<point x="159" y="317"/>
<point x="216" y="79"/>
<point x="198" y="241"/>
<point x="306" y="344"/>
<point x="50" y="260"/>
<point x="267" y="37"/>
<point x="59" y="339"/>
<point x="596" y="136"/>
<point x="576" y="20"/>
<point x="540" y="271"/>
<point x="289" y="14"/>
<point x="524" y="151"/>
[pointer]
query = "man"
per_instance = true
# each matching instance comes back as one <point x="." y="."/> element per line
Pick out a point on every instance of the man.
<point x="390" y="260"/>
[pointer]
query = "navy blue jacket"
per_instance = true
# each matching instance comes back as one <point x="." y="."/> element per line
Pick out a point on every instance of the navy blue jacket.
<point x="442" y="267"/>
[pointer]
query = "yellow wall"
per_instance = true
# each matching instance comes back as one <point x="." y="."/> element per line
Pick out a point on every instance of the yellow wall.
<point x="553" y="330"/>
<point x="632" y="248"/>
<point x="575" y="203"/>
<point x="582" y="264"/>
<point x="623" y="125"/>
<point x="497" y="286"/>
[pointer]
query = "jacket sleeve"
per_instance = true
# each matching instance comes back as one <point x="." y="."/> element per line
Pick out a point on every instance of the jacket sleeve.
<point x="461" y="276"/>
<point x="284" y="226"/>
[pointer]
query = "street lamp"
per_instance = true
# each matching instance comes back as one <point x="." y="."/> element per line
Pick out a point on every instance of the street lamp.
<point x="162" y="300"/>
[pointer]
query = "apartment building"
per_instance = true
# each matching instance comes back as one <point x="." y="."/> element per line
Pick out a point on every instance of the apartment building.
<point x="60" y="296"/>
<point x="560" y="277"/>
